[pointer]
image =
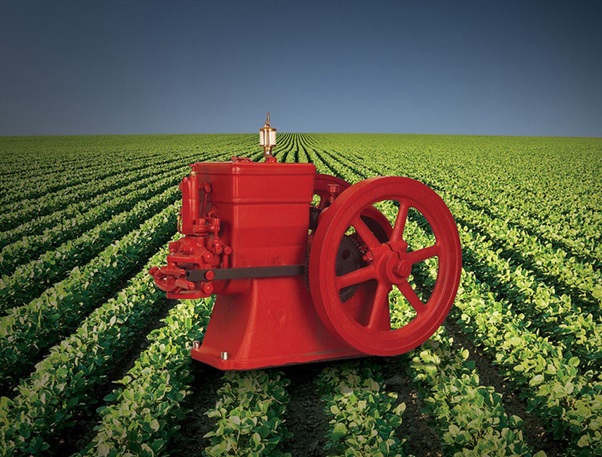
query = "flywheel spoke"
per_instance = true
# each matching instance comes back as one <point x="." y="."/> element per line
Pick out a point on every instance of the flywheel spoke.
<point x="365" y="233"/>
<point x="400" y="221"/>
<point x="410" y="294"/>
<point x="380" y="306"/>
<point x="423" y="254"/>
<point x="356" y="277"/>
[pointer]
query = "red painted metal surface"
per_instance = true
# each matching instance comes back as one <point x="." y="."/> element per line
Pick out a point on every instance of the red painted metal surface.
<point x="364" y="321"/>
<point x="242" y="214"/>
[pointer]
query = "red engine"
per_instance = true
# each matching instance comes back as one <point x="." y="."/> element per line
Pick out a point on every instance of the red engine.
<point x="303" y="263"/>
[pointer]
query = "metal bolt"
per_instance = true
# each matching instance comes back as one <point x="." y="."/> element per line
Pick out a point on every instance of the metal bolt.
<point x="334" y="189"/>
<point x="224" y="355"/>
<point x="196" y="344"/>
<point x="207" y="288"/>
<point x="402" y="269"/>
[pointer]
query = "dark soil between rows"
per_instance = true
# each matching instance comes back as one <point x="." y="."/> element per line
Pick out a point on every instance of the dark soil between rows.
<point x="534" y="431"/>
<point x="85" y="420"/>
<point x="190" y="439"/>
<point x="420" y="438"/>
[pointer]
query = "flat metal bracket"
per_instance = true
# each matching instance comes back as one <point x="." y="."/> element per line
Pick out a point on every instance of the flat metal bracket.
<point x="244" y="273"/>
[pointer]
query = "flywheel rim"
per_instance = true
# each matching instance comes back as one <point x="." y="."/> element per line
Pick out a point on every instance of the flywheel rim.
<point x="389" y="268"/>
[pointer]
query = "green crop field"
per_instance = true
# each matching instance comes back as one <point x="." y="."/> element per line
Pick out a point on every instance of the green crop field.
<point x="94" y="360"/>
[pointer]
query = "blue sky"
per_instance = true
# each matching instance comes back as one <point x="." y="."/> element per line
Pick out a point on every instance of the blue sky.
<point x="460" y="67"/>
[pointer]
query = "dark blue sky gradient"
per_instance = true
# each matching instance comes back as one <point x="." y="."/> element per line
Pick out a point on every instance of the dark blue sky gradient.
<point x="465" y="67"/>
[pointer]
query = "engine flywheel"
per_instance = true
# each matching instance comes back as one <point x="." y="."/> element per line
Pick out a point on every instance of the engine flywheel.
<point x="363" y="320"/>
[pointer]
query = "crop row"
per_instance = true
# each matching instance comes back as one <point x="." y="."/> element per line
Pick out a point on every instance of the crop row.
<point x="248" y="415"/>
<point x="55" y="202"/>
<point x="566" y="399"/>
<point x="576" y="232"/>
<point x="28" y="329"/>
<point x="364" y="416"/>
<point x="30" y="279"/>
<point x="499" y="224"/>
<point x="29" y="247"/>
<point x="474" y="418"/>
<point x="588" y="398"/>
<point x="510" y="183"/>
<point x="19" y="212"/>
<point x="567" y="274"/>
<point x="74" y="179"/>
<point x="65" y="382"/>
<point x="290" y="148"/>
<point x="142" y="415"/>
<point x="80" y="171"/>
<point x="85" y="187"/>
<point x="72" y="213"/>
<point x="35" y="156"/>
<point x="471" y="418"/>
<point x="555" y="314"/>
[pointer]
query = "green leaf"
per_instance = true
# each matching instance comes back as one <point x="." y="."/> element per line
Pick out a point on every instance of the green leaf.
<point x="454" y="429"/>
<point x="584" y="441"/>
<point x="154" y="425"/>
<point x="536" y="380"/>
<point x="573" y="361"/>
<point x="339" y="431"/>
<point x="462" y="438"/>
<point x="104" y="449"/>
